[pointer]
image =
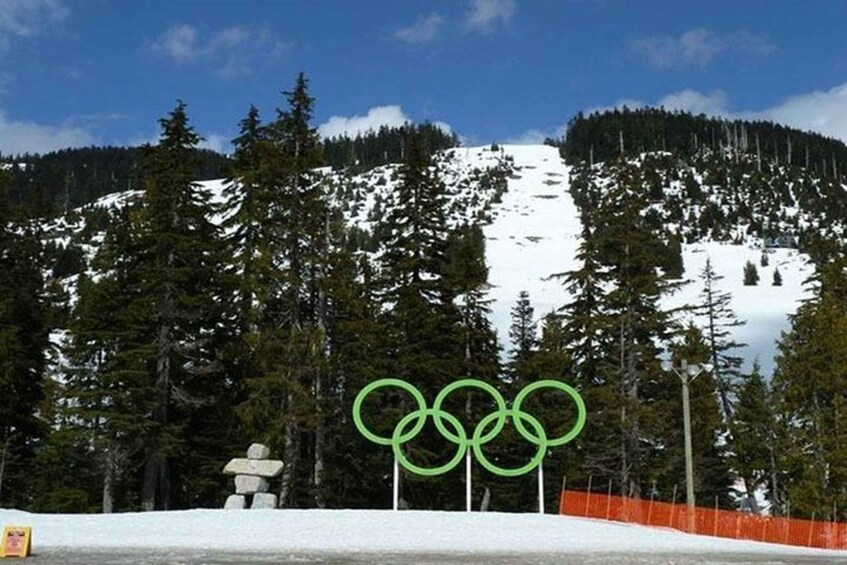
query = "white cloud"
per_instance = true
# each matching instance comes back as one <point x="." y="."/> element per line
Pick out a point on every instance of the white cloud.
<point x="351" y="126"/>
<point x="484" y="15"/>
<point x="697" y="47"/>
<point x="536" y="136"/>
<point x="28" y="137"/>
<point x="822" y="111"/>
<point x="26" y="18"/>
<point x="217" y="143"/>
<point x="443" y="126"/>
<point x="628" y="102"/>
<point x="22" y="19"/>
<point x="232" y="51"/>
<point x="713" y="104"/>
<point x="422" y="31"/>
<point x="179" y="43"/>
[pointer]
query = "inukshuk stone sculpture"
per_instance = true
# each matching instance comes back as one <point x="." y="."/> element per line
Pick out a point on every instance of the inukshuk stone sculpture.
<point x="251" y="479"/>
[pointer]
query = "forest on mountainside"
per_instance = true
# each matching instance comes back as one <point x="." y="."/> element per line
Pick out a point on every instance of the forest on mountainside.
<point x="380" y="147"/>
<point x="150" y="347"/>
<point x="59" y="181"/>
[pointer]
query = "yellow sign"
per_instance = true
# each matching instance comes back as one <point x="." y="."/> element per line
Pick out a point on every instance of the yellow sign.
<point x="17" y="541"/>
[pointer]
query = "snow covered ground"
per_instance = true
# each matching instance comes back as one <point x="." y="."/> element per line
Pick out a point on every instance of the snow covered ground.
<point x="535" y="233"/>
<point x="375" y="532"/>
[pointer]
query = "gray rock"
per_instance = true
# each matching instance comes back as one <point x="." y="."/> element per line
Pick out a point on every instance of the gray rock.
<point x="250" y="484"/>
<point x="263" y="500"/>
<point x="261" y="468"/>
<point x="234" y="502"/>
<point x="258" y="451"/>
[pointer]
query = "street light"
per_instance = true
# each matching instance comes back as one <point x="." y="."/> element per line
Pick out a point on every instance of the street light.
<point x="687" y="373"/>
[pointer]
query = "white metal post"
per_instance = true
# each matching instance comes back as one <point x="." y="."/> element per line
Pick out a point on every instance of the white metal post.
<point x="540" y="488"/>
<point x="468" y="480"/>
<point x="396" y="484"/>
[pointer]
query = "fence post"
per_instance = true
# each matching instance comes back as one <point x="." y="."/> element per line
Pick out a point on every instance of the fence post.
<point x="716" y="516"/>
<point x="811" y="530"/>
<point x="562" y="496"/>
<point x="588" y="495"/>
<point x="737" y="525"/>
<point x="788" y="524"/>
<point x="609" y="499"/>
<point x="650" y="506"/>
<point x="628" y="502"/>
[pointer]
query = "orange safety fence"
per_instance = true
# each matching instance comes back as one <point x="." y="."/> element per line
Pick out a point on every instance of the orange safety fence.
<point x="706" y="521"/>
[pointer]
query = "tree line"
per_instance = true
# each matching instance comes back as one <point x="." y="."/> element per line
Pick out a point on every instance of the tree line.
<point x="57" y="182"/>
<point x="604" y="135"/>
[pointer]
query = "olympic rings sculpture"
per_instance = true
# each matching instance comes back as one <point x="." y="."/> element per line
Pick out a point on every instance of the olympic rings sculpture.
<point x="452" y="430"/>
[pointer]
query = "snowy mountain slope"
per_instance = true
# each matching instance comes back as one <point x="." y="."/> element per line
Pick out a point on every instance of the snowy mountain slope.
<point x="532" y="231"/>
<point x="535" y="233"/>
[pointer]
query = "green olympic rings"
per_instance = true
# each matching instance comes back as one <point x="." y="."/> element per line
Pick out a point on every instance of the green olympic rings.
<point x="411" y="424"/>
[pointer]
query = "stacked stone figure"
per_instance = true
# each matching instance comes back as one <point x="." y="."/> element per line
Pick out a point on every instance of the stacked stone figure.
<point x="251" y="479"/>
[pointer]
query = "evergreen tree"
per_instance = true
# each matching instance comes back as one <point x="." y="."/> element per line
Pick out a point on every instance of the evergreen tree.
<point x="146" y="378"/>
<point x="425" y="344"/>
<point x="585" y="321"/>
<point x="777" y="278"/>
<point x="751" y="274"/>
<point x="352" y="464"/>
<point x="290" y="260"/>
<point x="717" y="329"/>
<point x="105" y="382"/>
<point x="630" y="248"/>
<point x="523" y="334"/>
<point x="614" y="326"/>
<point x="753" y="436"/>
<point x="809" y="388"/>
<point x="23" y="341"/>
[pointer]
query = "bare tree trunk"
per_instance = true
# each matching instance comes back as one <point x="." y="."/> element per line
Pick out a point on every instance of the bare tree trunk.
<point x="290" y="455"/>
<point x="156" y="472"/>
<point x="3" y="463"/>
<point x="318" y="468"/>
<point x="758" y="153"/>
<point x="149" y="482"/>
<point x="108" y="482"/>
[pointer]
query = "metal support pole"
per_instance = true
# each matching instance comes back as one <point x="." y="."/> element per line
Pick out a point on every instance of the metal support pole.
<point x="687" y="373"/>
<point x="468" y="480"/>
<point x="689" y="463"/>
<point x="396" y="493"/>
<point x="540" y="488"/>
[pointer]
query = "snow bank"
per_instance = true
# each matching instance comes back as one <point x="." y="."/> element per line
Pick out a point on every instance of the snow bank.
<point x="368" y="531"/>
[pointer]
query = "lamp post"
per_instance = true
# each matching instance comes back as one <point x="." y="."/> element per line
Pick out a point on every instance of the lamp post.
<point x="687" y="373"/>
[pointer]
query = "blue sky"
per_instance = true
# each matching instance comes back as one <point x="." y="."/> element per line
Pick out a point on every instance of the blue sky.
<point x="103" y="71"/>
